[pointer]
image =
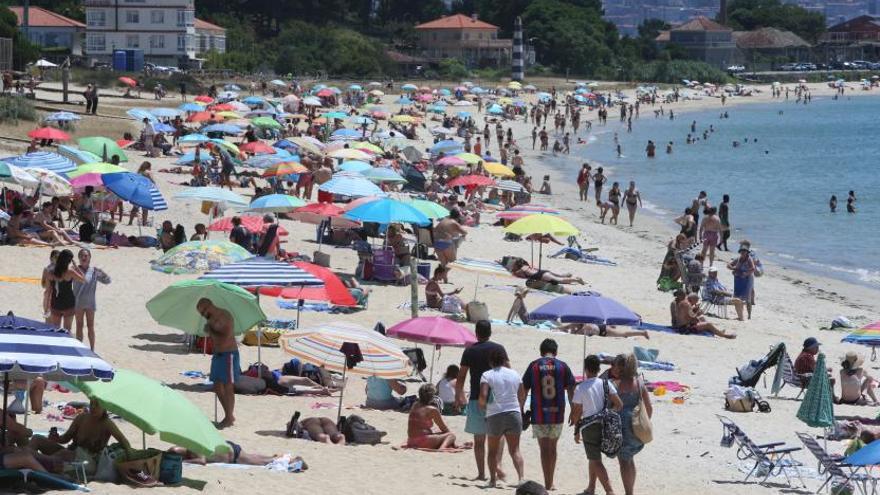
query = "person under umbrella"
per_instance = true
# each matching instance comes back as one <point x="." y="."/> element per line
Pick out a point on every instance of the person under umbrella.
<point x="225" y="362"/>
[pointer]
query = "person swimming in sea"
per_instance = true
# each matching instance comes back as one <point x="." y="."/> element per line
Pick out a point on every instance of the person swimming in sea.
<point x="832" y="203"/>
<point x="851" y="202"/>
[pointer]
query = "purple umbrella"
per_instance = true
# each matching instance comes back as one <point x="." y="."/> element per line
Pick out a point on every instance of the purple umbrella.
<point x="586" y="307"/>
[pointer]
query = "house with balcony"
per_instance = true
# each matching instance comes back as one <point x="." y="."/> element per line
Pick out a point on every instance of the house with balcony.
<point x="163" y="29"/>
<point x="703" y="39"/>
<point x="209" y="37"/>
<point x="52" y="31"/>
<point x="855" y="39"/>
<point x="466" y="38"/>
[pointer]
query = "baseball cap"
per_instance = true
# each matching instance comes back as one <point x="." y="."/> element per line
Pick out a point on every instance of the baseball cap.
<point x="810" y="342"/>
<point x="712" y="269"/>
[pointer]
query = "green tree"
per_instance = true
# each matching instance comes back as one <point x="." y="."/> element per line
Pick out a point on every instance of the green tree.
<point x="746" y="15"/>
<point x="23" y="52"/>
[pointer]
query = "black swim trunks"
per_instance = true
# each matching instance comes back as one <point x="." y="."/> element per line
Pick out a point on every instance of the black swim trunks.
<point x="236" y="451"/>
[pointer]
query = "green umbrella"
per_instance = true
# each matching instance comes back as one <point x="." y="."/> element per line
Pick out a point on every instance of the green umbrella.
<point x="266" y="122"/>
<point x="176" y="305"/>
<point x="817" y="408"/>
<point x="431" y="209"/>
<point x="102" y="147"/>
<point x="156" y="408"/>
<point x="4" y="170"/>
<point x="95" y="168"/>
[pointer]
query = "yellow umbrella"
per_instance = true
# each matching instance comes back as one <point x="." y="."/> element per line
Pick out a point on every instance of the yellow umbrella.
<point x="285" y="168"/>
<point x="514" y="85"/>
<point x="403" y="118"/>
<point x="376" y="92"/>
<point x="95" y="168"/>
<point x="228" y="115"/>
<point x="505" y="101"/>
<point x="470" y="158"/>
<point x="351" y="154"/>
<point x="363" y="145"/>
<point x="498" y="169"/>
<point x="541" y="224"/>
<point x="226" y="144"/>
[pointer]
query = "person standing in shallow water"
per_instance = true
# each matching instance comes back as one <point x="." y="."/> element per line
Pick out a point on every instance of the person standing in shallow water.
<point x="832" y="204"/>
<point x="724" y="215"/>
<point x="851" y="202"/>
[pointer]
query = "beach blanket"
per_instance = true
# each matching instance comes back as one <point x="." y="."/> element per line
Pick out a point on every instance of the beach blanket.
<point x="668" y="329"/>
<point x="423" y="306"/>
<point x="20" y="280"/>
<point x="543" y="325"/>
<point x="512" y="289"/>
<point x="311" y="307"/>
<point x="441" y="451"/>
<point x="582" y="256"/>
<point x="669" y="386"/>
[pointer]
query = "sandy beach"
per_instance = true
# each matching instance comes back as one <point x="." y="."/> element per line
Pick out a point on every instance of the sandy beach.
<point x="685" y="456"/>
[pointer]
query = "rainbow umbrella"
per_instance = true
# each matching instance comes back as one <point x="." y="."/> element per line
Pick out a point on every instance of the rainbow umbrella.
<point x="868" y="336"/>
<point x="199" y="256"/>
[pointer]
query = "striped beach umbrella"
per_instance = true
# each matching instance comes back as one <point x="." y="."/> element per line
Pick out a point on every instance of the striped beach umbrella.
<point x="212" y="195"/>
<point x="817" y="408"/>
<point x="136" y="189"/>
<point x="354" y="186"/>
<point x="43" y="159"/>
<point x="275" y="203"/>
<point x="484" y="267"/>
<point x="259" y="272"/>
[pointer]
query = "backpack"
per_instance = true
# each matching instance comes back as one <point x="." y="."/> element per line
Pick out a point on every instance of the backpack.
<point x="86" y="232"/>
<point x="356" y="430"/>
<point x="612" y="428"/>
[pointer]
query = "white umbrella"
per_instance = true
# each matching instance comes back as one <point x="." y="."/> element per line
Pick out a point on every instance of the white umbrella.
<point x="21" y="177"/>
<point x="44" y="63"/>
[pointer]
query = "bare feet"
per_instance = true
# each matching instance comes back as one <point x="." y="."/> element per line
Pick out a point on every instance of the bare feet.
<point x="226" y="423"/>
<point x="646" y="335"/>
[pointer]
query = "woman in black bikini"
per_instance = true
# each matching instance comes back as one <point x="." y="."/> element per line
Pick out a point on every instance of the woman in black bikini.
<point x="614" y="199"/>
<point x="61" y="283"/>
<point x="633" y="200"/>
<point x="598" y="181"/>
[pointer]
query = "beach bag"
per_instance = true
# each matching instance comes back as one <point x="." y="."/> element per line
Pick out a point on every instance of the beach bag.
<point x="641" y="422"/>
<point x="477" y="311"/>
<point x="171" y="469"/>
<point x="451" y="304"/>
<point x="106" y="470"/>
<point x="140" y="467"/>
<point x="739" y="399"/>
<point x="612" y="429"/>
<point x="356" y="430"/>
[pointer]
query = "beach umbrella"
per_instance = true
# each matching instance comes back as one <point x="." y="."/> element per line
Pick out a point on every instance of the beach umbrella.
<point x="512" y="186"/>
<point x="433" y="330"/>
<point x="538" y="223"/>
<point x="266" y="161"/>
<point x="261" y="272"/>
<point x="869" y="335"/>
<point x="167" y="412"/>
<point x="285" y="168"/>
<point x="307" y="144"/>
<point x="61" y="117"/>
<point x="355" y="87"/>
<point x="44" y="160"/>
<point x="277" y="82"/>
<point x="253" y="223"/>
<point x="869" y="455"/>
<point x="318" y="213"/>
<point x="227" y="145"/>
<point x="470" y="158"/>
<point x="199" y="256"/>
<point x="11" y="174"/>
<point x="451" y="161"/>
<point x="163" y="127"/>
<point x="383" y="175"/>
<point x="403" y="100"/>
<point x="99" y="168"/>
<point x="471" y="180"/>
<point x="350" y="154"/>
<point x="817" y="408"/>
<point x="194" y="139"/>
<point x="204" y="99"/>
<point x="430" y="209"/>
<point x="213" y="195"/>
<point x="253" y="100"/>
<point x="140" y="114"/>
<point x="377" y="92"/>
<point x="498" y="169"/>
<point x="175" y="306"/>
<point x="201" y="117"/>
<point x="275" y="203"/>
<point x="352" y="186"/>
<point x="386" y="211"/>
<point x="409" y="87"/>
<point x="345" y="135"/>
<point x="311" y="101"/>
<point x="79" y="183"/>
<point x="223" y="128"/>
<point x="163" y="112"/>
<point x="136" y="189"/>
<point x="334" y="291"/>
<point x="325" y="346"/>
<point x="266" y="122"/>
<point x="354" y="166"/>
<point x="127" y="81"/>
<point x="480" y="267"/>
<point x="534" y="208"/>
<point x="191" y="107"/>
<point x="51" y="183"/>
<point x="49" y="133"/>
<point x="103" y="147"/>
<point x="257" y="148"/>
<point x="31" y="349"/>
<point x="403" y="119"/>
<point x="284" y="144"/>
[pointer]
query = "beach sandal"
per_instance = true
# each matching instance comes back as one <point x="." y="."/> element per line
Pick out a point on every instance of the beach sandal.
<point x="140" y="478"/>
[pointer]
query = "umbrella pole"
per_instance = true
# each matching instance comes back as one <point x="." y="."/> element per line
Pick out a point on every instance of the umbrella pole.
<point x="338" y="408"/>
<point x="532" y="255"/>
<point x="5" y="404"/>
<point x="144" y="439"/>
<point x="27" y="398"/>
<point x="431" y="374"/>
<point x="585" y="347"/>
<point x="259" y="334"/>
<point x="540" y="254"/>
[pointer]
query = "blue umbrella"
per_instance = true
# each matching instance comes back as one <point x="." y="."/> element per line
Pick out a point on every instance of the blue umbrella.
<point x="162" y="127"/>
<point x="447" y="146"/>
<point x="381" y="174"/>
<point x="869" y="455"/>
<point x="265" y="161"/>
<point x="52" y="162"/>
<point x="191" y="107"/>
<point x="495" y="109"/>
<point x="356" y="87"/>
<point x="284" y="144"/>
<point x="187" y="159"/>
<point x="355" y="166"/>
<point x="165" y="112"/>
<point x="194" y="138"/>
<point x="353" y="186"/>
<point x="361" y="120"/>
<point x="253" y="100"/>
<point x="232" y="87"/>
<point x="403" y="100"/>
<point x="276" y="203"/>
<point x="141" y="114"/>
<point x="230" y="129"/>
<point x="212" y="195"/>
<point x="589" y="307"/>
<point x="136" y="189"/>
<point x="387" y="211"/>
<point x="62" y="117"/>
<point x="445" y="92"/>
<point x="345" y="135"/>
<point x="79" y="156"/>
<point x="463" y="115"/>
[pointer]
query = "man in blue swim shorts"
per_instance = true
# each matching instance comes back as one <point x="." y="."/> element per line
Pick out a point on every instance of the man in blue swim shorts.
<point x="225" y="363"/>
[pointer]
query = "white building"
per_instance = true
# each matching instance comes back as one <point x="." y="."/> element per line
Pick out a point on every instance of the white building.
<point x="164" y="29"/>
<point x="209" y="37"/>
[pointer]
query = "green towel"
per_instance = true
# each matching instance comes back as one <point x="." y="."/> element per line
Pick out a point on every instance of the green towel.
<point x="643" y="354"/>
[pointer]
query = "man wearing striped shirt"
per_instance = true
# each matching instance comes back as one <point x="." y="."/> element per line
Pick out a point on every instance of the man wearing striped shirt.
<point x="549" y="381"/>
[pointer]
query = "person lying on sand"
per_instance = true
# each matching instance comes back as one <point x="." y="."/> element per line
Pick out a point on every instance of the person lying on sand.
<point x="236" y="455"/>
<point x="688" y="319"/>
<point x="321" y="430"/>
<point x="545" y="279"/>
<point x="601" y="330"/>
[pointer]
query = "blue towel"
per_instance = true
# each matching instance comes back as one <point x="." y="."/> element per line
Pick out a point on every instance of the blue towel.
<point x="544" y="325"/>
<point x="316" y="307"/>
<point x="666" y="329"/>
<point x="656" y="365"/>
<point x="583" y="257"/>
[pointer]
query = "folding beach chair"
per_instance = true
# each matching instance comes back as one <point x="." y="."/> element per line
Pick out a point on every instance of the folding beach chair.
<point x="771" y="459"/>
<point x="832" y="466"/>
<point x="789" y="377"/>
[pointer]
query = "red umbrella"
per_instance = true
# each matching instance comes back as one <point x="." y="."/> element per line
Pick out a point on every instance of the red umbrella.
<point x="49" y="133"/>
<point x="323" y="209"/>
<point x="223" y="107"/>
<point x="253" y="223"/>
<point x="471" y="180"/>
<point x="128" y="81"/>
<point x="334" y="291"/>
<point x="200" y="117"/>
<point x="204" y="99"/>
<point x="257" y="148"/>
<point x="325" y="93"/>
<point x="124" y="143"/>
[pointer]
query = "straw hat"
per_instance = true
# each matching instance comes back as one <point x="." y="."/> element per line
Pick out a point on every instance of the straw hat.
<point x="852" y="361"/>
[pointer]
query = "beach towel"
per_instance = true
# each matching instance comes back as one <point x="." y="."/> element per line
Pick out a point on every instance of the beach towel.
<point x="20" y="280"/>
<point x="423" y="306"/>
<point x="543" y="325"/>
<point x="669" y="386"/>
<point x="667" y="329"/>
<point x="513" y="288"/>
<point x="311" y="307"/>
<point x="582" y="256"/>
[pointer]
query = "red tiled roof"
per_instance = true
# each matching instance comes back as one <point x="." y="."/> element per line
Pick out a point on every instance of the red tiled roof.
<point x="40" y="17"/>
<point x="701" y="23"/>
<point x="457" y="21"/>
<point x="200" y="24"/>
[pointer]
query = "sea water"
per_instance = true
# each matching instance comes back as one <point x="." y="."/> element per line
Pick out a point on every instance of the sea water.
<point x="791" y="158"/>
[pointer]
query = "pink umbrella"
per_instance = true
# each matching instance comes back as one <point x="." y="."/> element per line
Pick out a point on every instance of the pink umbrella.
<point x="452" y="161"/>
<point x="84" y="180"/>
<point x="361" y="201"/>
<point x="434" y="330"/>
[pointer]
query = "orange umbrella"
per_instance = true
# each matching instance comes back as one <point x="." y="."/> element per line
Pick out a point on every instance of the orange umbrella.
<point x="257" y="148"/>
<point x="200" y="117"/>
<point x="204" y="99"/>
<point x="49" y="133"/>
<point x="333" y="291"/>
<point x="128" y="81"/>
<point x="284" y="168"/>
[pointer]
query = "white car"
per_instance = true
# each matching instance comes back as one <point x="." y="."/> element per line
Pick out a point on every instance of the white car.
<point x="736" y="68"/>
